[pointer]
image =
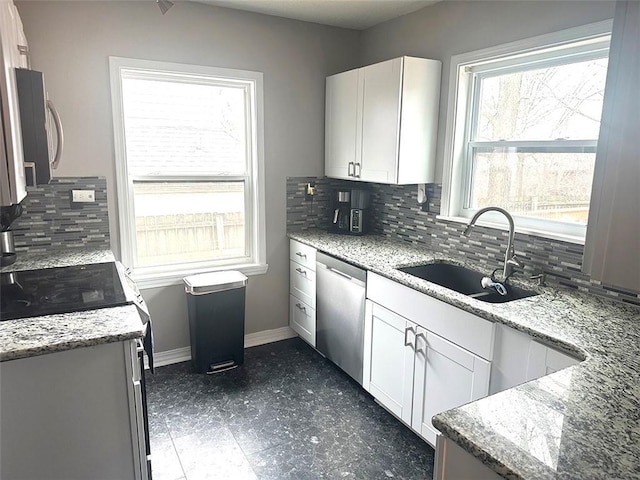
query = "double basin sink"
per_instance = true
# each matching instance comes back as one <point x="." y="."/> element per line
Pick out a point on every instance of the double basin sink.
<point x="466" y="281"/>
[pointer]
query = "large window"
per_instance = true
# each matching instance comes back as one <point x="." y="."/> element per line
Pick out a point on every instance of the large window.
<point x="526" y="128"/>
<point x="188" y="147"/>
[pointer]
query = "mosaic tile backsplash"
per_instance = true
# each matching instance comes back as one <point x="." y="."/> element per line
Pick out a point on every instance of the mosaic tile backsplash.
<point x="48" y="221"/>
<point x="396" y="213"/>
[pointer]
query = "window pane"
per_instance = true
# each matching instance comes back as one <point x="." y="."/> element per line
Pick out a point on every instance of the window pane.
<point x="545" y="104"/>
<point x="177" y="128"/>
<point x="187" y="222"/>
<point x="553" y="186"/>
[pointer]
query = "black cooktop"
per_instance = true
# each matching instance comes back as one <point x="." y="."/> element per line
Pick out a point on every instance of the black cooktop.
<point x="32" y="293"/>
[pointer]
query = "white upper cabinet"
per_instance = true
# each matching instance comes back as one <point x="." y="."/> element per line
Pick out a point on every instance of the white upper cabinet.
<point x="13" y="45"/>
<point x="381" y="122"/>
<point x="340" y="124"/>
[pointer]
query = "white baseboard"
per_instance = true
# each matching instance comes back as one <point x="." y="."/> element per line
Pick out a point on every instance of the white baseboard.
<point x="268" y="336"/>
<point x="250" y="340"/>
<point x="170" y="356"/>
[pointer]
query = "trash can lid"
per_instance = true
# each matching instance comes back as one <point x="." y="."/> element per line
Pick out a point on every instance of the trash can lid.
<point x="214" y="282"/>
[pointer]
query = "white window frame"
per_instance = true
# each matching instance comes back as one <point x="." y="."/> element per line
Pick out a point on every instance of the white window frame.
<point x="533" y="50"/>
<point x="157" y="276"/>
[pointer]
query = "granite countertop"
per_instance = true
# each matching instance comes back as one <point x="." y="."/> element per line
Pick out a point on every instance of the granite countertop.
<point x="579" y="423"/>
<point x="28" y="337"/>
<point x="59" y="258"/>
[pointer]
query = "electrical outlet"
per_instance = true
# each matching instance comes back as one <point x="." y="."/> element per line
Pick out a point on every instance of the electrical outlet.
<point x="83" y="196"/>
<point x="309" y="191"/>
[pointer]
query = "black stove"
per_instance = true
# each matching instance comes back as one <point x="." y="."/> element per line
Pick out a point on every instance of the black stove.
<point x="33" y="293"/>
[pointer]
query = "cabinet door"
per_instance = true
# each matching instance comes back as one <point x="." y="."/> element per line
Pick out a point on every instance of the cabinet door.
<point x="381" y="86"/>
<point x="302" y="320"/>
<point x="302" y="283"/>
<point x="446" y="376"/>
<point x="341" y="124"/>
<point x="544" y="360"/>
<point x="302" y="254"/>
<point x="389" y="359"/>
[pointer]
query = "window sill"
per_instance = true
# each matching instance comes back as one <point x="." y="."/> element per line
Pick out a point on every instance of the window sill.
<point x="519" y="229"/>
<point x="173" y="278"/>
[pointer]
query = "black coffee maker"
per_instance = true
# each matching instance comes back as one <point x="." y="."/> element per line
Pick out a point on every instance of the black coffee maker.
<point x="341" y="209"/>
<point x="350" y="212"/>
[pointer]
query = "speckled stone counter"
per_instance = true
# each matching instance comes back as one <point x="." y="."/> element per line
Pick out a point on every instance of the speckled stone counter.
<point x="29" y="337"/>
<point x="579" y="423"/>
<point x="59" y="258"/>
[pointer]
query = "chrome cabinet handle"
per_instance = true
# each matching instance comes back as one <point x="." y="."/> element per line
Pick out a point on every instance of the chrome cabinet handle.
<point x="301" y="271"/>
<point x="301" y="255"/>
<point x="301" y="307"/>
<point x="359" y="169"/>
<point x="351" y="164"/>
<point x="407" y="343"/>
<point x="424" y="337"/>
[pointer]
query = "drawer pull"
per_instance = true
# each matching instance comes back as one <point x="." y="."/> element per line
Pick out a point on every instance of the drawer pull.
<point x="301" y="271"/>
<point x="301" y="307"/>
<point x="301" y="255"/>
<point x="407" y="343"/>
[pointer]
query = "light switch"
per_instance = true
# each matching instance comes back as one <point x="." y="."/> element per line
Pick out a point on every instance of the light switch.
<point x="83" y="196"/>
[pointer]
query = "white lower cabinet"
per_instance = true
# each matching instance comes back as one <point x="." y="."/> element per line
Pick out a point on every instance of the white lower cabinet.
<point x="453" y="463"/>
<point x="415" y="373"/>
<point x="446" y="376"/>
<point x="302" y="319"/>
<point x="518" y="359"/>
<point x="544" y="360"/>
<point x="389" y="359"/>
<point x="302" y="290"/>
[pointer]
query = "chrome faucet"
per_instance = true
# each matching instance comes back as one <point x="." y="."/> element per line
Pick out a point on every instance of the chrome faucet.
<point x="510" y="259"/>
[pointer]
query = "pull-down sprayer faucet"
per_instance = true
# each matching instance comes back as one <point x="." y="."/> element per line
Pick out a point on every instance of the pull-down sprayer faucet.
<point x="510" y="259"/>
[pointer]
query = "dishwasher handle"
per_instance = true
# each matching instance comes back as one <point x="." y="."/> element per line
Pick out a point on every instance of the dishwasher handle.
<point x="334" y="270"/>
<point x="344" y="269"/>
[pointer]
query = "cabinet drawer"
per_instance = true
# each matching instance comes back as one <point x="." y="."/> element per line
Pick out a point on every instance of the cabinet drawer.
<point x="302" y="319"/>
<point x="302" y="283"/>
<point x="302" y="254"/>
<point x="462" y="328"/>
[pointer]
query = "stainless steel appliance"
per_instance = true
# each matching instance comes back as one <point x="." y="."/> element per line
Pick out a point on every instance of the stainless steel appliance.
<point x="7" y="246"/>
<point x="340" y="299"/>
<point x="42" y="134"/>
<point x="350" y="212"/>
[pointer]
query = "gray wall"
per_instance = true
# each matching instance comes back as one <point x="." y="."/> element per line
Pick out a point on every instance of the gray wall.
<point x="71" y="42"/>
<point x="452" y="27"/>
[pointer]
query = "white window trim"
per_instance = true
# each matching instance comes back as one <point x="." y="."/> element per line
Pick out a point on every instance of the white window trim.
<point x="172" y="275"/>
<point x="459" y="92"/>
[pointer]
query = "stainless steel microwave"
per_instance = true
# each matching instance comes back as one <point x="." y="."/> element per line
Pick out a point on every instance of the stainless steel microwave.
<point x="42" y="134"/>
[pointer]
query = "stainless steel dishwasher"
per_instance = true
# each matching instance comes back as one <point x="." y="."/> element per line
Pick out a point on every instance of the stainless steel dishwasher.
<point x="340" y="294"/>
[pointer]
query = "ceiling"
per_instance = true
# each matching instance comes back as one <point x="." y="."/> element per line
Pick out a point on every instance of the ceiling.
<point x="355" y="14"/>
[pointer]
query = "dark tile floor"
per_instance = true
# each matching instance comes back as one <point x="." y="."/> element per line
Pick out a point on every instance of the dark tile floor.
<point x="288" y="413"/>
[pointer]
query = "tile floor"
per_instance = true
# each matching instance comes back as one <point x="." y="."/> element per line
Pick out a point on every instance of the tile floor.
<point x="288" y="413"/>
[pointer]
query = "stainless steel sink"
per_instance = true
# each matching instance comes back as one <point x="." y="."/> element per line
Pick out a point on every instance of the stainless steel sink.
<point x="464" y="280"/>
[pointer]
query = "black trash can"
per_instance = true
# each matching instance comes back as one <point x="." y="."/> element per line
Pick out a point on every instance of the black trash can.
<point x="216" y="320"/>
